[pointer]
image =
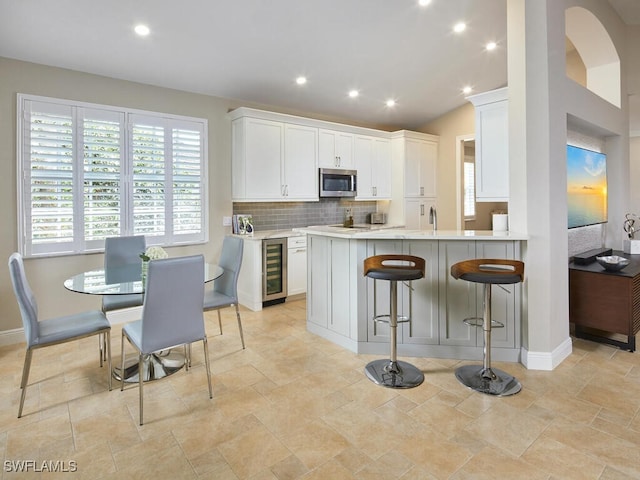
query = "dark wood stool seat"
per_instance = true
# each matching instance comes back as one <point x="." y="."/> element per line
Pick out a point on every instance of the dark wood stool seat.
<point x="488" y="271"/>
<point x="391" y="372"/>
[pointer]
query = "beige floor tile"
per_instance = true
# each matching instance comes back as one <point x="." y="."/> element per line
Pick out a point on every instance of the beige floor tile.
<point x="562" y="461"/>
<point x="491" y="465"/>
<point x="253" y="451"/>
<point x="507" y="428"/>
<point x="315" y="443"/>
<point x="295" y="406"/>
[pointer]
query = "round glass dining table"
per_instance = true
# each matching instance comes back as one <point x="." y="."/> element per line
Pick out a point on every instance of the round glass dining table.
<point x="127" y="280"/>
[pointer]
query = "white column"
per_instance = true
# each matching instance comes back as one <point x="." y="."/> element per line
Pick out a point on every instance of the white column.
<point x="537" y="151"/>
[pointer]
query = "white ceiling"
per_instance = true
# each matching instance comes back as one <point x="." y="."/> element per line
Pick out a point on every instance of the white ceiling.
<point x="253" y="50"/>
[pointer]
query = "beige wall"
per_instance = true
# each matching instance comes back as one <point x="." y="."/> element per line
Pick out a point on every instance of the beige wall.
<point x="46" y="275"/>
<point x="458" y="122"/>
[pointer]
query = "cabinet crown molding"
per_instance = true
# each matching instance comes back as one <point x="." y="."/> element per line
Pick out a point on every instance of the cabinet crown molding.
<point x="492" y="96"/>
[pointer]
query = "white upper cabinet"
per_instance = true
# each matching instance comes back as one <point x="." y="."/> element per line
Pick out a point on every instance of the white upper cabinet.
<point x="492" y="145"/>
<point x="273" y="161"/>
<point x="300" y="162"/>
<point x="335" y="149"/>
<point x="420" y="157"/>
<point x="373" y="162"/>
<point x="257" y="156"/>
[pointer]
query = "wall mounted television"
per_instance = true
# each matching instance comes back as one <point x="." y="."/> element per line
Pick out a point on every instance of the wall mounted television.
<point x="586" y="187"/>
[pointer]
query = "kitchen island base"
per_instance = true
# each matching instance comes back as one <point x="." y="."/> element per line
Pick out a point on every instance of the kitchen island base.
<point x="341" y="301"/>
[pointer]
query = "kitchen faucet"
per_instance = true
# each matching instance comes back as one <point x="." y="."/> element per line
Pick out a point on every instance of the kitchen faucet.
<point x="433" y="218"/>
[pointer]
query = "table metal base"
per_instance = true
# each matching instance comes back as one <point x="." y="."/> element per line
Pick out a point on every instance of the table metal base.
<point x="396" y="374"/>
<point x="159" y="365"/>
<point x="491" y="381"/>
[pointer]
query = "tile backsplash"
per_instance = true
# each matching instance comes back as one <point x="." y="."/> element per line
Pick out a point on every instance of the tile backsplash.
<point x="286" y="215"/>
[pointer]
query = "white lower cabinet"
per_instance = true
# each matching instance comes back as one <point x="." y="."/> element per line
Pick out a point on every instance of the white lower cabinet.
<point x="296" y="265"/>
<point x="460" y="299"/>
<point x="417" y="300"/>
<point x="328" y="282"/>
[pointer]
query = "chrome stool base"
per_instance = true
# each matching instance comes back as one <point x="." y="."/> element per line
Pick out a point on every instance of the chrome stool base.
<point x="396" y="374"/>
<point x="491" y="381"/>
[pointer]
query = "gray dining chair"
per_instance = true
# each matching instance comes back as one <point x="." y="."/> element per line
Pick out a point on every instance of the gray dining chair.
<point x="45" y="333"/>
<point x="172" y="314"/>
<point x="225" y="288"/>
<point x="119" y="252"/>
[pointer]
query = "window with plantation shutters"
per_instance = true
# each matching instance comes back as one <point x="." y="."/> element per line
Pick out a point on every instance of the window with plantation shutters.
<point x="87" y="172"/>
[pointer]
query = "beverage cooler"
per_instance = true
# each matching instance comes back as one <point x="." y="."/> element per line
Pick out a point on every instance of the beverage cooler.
<point x="274" y="271"/>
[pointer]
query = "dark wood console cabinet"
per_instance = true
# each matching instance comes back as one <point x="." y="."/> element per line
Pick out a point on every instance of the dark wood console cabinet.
<point x="608" y="302"/>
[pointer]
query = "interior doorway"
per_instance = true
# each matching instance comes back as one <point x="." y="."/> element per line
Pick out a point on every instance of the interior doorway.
<point x="465" y="145"/>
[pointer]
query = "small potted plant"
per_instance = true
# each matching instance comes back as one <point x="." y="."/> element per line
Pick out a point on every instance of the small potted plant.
<point x="152" y="253"/>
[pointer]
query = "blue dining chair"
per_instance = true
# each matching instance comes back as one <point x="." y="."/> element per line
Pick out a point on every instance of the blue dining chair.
<point x="172" y="314"/>
<point x="44" y="333"/>
<point x="225" y="288"/>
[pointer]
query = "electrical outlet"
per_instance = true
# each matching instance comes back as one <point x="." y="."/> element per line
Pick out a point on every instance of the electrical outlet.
<point x="226" y="221"/>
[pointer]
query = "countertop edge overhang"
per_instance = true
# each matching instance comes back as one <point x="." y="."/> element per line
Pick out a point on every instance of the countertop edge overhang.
<point x="405" y="234"/>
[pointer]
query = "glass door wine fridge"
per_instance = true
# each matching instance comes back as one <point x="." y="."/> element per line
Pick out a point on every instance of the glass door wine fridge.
<point x="274" y="271"/>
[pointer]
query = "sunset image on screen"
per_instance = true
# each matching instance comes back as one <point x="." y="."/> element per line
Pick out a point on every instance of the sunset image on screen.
<point x="586" y="187"/>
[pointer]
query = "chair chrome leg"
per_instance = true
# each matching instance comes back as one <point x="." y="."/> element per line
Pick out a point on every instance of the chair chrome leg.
<point x="220" y="321"/>
<point x="25" y="379"/>
<point x="100" y="348"/>
<point x="239" y="324"/>
<point x="122" y="364"/>
<point x="205" y="343"/>
<point x="140" y="380"/>
<point x="107" y="336"/>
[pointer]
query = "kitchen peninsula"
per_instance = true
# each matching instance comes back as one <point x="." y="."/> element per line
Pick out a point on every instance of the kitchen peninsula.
<point x="341" y="302"/>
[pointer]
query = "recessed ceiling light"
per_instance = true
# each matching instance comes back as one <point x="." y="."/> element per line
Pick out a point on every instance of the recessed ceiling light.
<point x="467" y="90"/>
<point x="491" y="46"/>
<point x="354" y="93"/>
<point x="424" y="3"/>
<point x="391" y="102"/>
<point x="459" y="27"/>
<point x="142" y="30"/>
<point x="301" y="80"/>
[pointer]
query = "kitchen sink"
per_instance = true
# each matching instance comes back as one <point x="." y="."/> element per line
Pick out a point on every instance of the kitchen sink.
<point x="339" y="225"/>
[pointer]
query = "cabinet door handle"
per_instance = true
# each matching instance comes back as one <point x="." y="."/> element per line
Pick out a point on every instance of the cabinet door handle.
<point x="421" y="191"/>
<point x="422" y="210"/>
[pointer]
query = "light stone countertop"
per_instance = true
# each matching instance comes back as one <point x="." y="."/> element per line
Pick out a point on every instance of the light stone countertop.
<point x="266" y="234"/>
<point x="383" y="232"/>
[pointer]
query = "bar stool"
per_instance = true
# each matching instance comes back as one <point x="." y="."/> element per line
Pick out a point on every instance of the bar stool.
<point x="391" y="372"/>
<point x="486" y="379"/>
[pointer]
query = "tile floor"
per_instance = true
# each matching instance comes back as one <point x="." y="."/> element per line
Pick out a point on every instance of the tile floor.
<point x="294" y="406"/>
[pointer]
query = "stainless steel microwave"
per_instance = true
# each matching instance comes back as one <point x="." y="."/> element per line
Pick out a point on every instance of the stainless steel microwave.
<point x="338" y="183"/>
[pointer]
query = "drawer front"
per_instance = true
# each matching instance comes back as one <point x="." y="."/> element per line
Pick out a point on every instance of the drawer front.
<point x="297" y="242"/>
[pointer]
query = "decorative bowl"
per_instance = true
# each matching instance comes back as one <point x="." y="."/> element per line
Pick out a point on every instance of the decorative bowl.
<point x="613" y="263"/>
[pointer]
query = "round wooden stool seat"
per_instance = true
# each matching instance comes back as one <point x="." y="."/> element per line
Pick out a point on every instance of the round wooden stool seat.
<point x="389" y="267"/>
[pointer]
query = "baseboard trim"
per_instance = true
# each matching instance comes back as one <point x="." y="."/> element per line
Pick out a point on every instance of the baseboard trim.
<point x="125" y="315"/>
<point x="547" y="360"/>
